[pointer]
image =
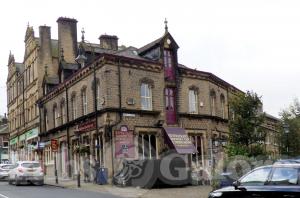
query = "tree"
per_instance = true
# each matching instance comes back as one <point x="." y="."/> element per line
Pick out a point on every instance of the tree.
<point x="290" y="142"/>
<point x="246" y="131"/>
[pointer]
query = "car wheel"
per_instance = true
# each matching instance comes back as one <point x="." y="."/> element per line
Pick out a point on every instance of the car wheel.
<point x="17" y="182"/>
<point x="10" y="181"/>
<point x="40" y="183"/>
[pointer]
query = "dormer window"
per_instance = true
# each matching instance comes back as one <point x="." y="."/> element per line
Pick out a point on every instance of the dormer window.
<point x="168" y="64"/>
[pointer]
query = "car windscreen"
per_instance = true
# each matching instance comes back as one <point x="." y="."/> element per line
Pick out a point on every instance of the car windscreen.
<point x="30" y="165"/>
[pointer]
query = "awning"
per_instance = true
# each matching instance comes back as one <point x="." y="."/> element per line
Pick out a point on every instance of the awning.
<point x="32" y="134"/>
<point x="13" y="141"/>
<point x="179" y="140"/>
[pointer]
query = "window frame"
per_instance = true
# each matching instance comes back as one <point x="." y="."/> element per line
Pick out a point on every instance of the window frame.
<point x="63" y="112"/>
<point x="84" y="101"/>
<point x="147" y="98"/>
<point x="73" y="107"/>
<point x="213" y="103"/>
<point x="145" y="152"/>
<point x="98" y="96"/>
<point x="223" y="110"/>
<point x="56" y="116"/>
<point x="193" y="105"/>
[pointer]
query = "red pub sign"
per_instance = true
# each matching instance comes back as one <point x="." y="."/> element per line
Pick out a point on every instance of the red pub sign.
<point x="124" y="143"/>
<point x="87" y="126"/>
<point x="54" y="145"/>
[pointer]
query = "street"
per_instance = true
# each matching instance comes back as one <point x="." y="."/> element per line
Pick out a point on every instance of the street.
<point x="30" y="191"/>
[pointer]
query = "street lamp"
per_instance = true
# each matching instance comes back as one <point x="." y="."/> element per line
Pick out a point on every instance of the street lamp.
<point x="77" y="133"/>
<point x="81" y="59"/>
<point x="286" y="129"/>
<point x="0" y="154"/>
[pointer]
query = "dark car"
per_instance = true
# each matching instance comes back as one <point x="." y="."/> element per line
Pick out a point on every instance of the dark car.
<point x="278" y="180"/>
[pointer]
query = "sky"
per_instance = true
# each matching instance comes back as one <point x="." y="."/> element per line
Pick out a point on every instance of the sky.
<point x="252" y="44"/>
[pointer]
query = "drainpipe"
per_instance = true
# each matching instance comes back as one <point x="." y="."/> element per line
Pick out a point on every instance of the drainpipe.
<point x="120" y="116"/>
<point x="40" y="130"/>
<point x="68" y="135"/>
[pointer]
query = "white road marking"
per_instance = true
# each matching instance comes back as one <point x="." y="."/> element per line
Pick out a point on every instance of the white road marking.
<point x="3" y="196"/>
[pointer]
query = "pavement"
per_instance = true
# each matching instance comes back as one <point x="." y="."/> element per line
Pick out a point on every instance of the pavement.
<point x="47" y="191"/>
<point x="133" y="192"/>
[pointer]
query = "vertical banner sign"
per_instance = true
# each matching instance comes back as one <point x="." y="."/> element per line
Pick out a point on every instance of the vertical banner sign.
<point x="124" y="143"/>
<point x="54" y="145"/>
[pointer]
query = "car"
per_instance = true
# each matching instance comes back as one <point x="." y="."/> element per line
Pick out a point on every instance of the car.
<point x="4" y="169"/>
<point x="26" y="172"/>
<point x="277" y="180"/>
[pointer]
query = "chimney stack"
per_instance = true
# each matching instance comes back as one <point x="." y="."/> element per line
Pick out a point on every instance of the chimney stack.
<point x="67" y="38"/>
<point x="45" y="47"/>
<point x="109" y="42"/>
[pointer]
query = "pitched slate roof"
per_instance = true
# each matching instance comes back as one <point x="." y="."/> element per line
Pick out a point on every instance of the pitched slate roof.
<point x="52" y="80"/>
<point x="150" y="45"/>
<point x="4" y="129"/>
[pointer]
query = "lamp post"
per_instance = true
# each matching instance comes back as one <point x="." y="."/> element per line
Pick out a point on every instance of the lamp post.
<point x="77" y="133"/>
<point x="286" y="130"/>
<point x="0" y="154"/>
<point x="82" y="59"/>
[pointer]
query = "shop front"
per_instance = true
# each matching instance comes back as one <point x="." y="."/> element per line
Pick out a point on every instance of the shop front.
<point x="86" y="146"/>
<point x="31" y="142"/>
<point x="13" y="155"/>
<point x="152" y="156"/>
<point x="22" y="147"/>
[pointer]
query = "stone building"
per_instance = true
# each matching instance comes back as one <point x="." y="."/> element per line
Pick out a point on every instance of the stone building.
<point x="4" y="140"/>
<point x="143" y="91"/>
<point x="24" y="87"/>
<point x="108" y="103"/>
<point x="271" y="126"/>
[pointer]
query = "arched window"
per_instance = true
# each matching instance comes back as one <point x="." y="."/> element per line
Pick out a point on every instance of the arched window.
<point x="63" y="112"/>
<point x="98" y="96"/>
<point x="46" y="121"/>
<point x="56" y="115"/>
<point x="146" y="96"/>
<point x="193" y="101"/>
<point x="73" y="107"/>
<point x="84" y="101"/>
<point x="223" y="108"/>
<point x="213" y="102"/>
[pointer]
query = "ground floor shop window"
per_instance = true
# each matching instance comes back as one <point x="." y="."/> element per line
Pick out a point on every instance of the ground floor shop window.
<point x="197" y="158"/>
<point x="98" y="149"/>
<point x="75" y="152"/>
<point x="63" y="159"/>
<point x="48" y="156"/>
<point x="147" y="146"/>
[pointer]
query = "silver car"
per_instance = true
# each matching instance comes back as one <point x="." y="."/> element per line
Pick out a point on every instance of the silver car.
<point x="4" y="169"/>
<point x="26" y="172"/>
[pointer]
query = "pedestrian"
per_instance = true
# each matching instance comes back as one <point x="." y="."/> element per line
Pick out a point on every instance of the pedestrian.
<point x="96" y="167"/>
<point x="86" y="169"/>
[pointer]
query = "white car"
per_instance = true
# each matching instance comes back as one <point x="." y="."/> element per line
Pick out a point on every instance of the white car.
<point x="26" y="171"/>
<point x="4" y="169"/>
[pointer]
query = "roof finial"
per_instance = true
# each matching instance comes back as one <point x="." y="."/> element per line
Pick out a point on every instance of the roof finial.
<point x="46" y="70"/>
<point x="82" y="36"/>
<point x="166" y="25"/>
<point x="62" y="53"/>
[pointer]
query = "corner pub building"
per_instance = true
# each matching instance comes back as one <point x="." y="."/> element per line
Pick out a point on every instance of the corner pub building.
<point x="107" y="102"/>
